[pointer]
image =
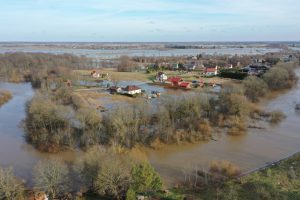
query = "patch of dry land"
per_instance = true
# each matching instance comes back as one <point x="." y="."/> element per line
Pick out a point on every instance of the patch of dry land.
<point x="115" y="75"/>
<point x="5" y="96"/>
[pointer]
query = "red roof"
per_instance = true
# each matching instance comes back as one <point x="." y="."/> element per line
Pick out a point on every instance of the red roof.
<point x="174" y="79"/>
<point x="210" y="69"/>
<point x="184" y="84"/>
<point x="131" y="88"/>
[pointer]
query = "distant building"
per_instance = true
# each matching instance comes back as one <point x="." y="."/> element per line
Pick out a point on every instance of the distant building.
<point x="175" y="66"/>
<point x="190" y="66"/>
<point x="95" y="74"/>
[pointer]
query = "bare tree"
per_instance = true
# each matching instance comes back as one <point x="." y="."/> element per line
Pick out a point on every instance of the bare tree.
<point x="125" y="64"/>
<point x="52" y="177"/>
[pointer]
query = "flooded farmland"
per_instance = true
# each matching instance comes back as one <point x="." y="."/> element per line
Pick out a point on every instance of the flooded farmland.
<point x="115" y="53"/>
<point x="255" y="149"/>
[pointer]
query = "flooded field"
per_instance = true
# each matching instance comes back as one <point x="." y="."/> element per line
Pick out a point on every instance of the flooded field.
<point x="115" y="53"/>
<point x="250" y="151"/>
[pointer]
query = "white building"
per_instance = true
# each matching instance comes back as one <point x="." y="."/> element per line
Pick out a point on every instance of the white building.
<point x="161" y="77"/>
<point x="131" y="90"/>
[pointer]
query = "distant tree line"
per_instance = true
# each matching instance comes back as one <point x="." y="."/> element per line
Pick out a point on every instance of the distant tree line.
<point x="17" y="67"/>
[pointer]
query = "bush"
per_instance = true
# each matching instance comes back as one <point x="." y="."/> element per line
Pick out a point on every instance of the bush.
<point x="237" y="126"/>
<point x="278" y="78"/>
<point x="224" y="168"/>
<point x="145" y="178"/>
<point x="130" y="195"/>
<point x="233" y="103"/>
<point x="10" y="187"/>
<point x="5" y="96"/>
<point x="276" y="117"/>
<point x="255" y="88"/>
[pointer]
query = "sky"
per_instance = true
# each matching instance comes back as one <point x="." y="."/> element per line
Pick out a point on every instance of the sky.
<point x="149" y="20"/>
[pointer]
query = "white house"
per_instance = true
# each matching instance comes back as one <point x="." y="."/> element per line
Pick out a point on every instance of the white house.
<point x="95" y="74"/>
<point x="131" y="90"/>
<point x="161" y="77"/>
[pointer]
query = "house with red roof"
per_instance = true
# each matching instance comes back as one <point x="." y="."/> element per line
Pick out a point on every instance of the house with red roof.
<point x="174" y="81"/>
<point x="210" y="71"/>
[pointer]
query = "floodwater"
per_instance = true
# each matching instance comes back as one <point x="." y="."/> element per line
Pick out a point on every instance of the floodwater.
<point x="14" y="151"/>
<point x="250" y="151"/>
<point x="255" y="149"/>
<point x="115" y="53"/>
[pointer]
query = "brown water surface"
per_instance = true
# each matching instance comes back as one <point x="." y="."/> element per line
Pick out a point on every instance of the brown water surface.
<point x="255" y="149"/>
<point x="14" y="151"/>
<point x="250" y="151"/>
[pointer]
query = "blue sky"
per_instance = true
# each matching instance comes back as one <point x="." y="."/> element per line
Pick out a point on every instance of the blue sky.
<point x="149" y="20"/>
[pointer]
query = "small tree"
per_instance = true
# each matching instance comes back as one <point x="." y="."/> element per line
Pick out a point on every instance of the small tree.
<point x="52" y="177"/>
<point x="145" y="178"/>
<point x="125" y="64"/>
<point x="10" y="187"/>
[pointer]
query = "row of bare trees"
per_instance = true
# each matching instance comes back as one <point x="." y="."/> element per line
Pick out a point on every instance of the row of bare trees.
<point x="99" y="171"/>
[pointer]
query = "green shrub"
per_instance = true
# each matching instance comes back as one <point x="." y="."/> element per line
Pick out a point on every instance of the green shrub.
<point x="232" y="73"/>
<point x="145" y="178"/>
<point x="130" y="195"/>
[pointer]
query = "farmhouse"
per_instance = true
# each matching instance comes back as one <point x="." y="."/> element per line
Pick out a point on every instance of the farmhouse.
<point x="174" y="81"/>
<point x="210" y="71"/>
<point x="131" y="90"/>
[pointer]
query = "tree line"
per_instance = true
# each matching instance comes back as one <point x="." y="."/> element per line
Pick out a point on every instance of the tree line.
<point x="100" y="172"/>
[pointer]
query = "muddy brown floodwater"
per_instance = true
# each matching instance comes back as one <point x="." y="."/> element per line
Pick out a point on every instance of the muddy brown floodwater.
<point x="255" y="149"/>
<point x="14" y="151"/>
